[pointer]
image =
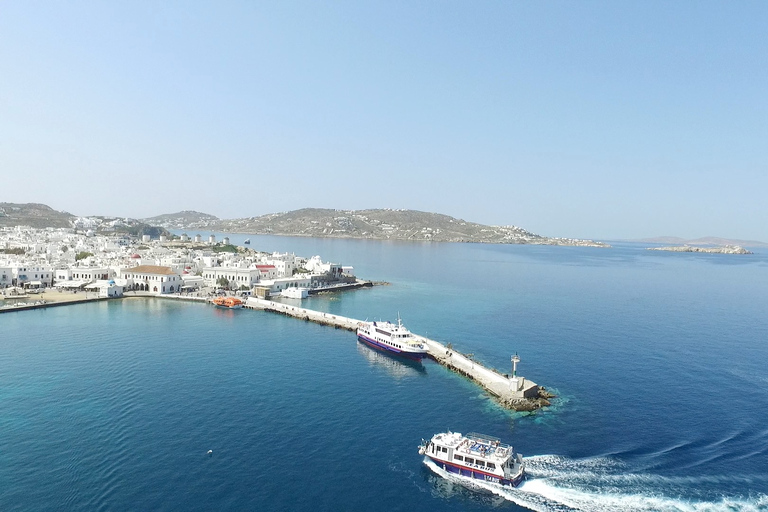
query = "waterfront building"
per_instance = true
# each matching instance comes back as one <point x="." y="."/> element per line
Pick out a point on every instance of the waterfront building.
<point x="154" y="278"/>
<point x="28" y="274"/>
<point x="6" y="277"/>
<point x="269" y="287"/>
<point x="190" y="282"/>
<point x="87" y="274"/>
<point x="237" y="277"/>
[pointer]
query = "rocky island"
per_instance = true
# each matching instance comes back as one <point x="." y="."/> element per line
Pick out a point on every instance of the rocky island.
<point x="728" y="249"/>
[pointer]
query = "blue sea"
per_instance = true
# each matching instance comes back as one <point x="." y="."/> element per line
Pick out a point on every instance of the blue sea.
<point x="660" y="362"/>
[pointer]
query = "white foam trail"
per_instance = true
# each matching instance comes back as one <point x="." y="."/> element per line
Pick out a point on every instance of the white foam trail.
<point x="557" y="484"/>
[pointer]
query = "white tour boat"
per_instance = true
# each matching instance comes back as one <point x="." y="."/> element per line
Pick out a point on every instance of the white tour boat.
<point x="391" y="338"/>
<point x="475" y="456"/>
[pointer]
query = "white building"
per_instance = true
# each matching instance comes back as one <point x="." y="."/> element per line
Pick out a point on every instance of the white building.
<point x="237" y="277"/>
<point x="6" y="277"/>
<point x="83" y="274"/>
<point x="191" y="282"/>
<point x="316" y="266"/>
<point x="27" y="274"/>
<point x="276" y="286"/>
<point x="154" y="278"/>
<point x="267" y="272"/>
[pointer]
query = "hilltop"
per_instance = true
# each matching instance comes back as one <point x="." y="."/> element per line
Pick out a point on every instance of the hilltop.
<point x="34" y="215"/>
<point x="41" y="216"/>
<point x="380" y="224"/>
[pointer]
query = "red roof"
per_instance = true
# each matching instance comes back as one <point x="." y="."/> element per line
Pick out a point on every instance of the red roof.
<point x="265" y="267"/>
<point x="134" y="256"/>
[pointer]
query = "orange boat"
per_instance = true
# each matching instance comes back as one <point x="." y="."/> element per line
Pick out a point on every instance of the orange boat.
<point x="228" y="302"/>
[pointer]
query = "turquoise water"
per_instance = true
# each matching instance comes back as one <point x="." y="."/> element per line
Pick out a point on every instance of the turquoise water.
<point x="659" y="360"/>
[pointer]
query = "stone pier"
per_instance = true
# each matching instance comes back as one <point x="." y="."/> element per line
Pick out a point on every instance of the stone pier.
<point x="516" y="393"/>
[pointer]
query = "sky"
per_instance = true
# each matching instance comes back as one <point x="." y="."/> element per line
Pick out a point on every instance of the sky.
<point x="604" y="120"/>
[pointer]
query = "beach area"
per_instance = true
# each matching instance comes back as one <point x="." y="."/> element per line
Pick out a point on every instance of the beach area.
<point x="45" y="299"/>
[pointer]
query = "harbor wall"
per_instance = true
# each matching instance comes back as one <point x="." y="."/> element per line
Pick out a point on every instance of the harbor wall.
<point x="512" y="394"/>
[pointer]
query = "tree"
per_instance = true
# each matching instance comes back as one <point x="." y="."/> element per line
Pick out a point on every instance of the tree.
<point x="82" y="255"/>
<point x="222" y="282"/>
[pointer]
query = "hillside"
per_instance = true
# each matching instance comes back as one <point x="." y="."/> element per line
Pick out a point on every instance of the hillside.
<point x="315" y="222"/>
<point x="34" y="215"/>
<point x="380" y="225"/>
<point x="180" y="220"/>
<point x="41" y="216"/>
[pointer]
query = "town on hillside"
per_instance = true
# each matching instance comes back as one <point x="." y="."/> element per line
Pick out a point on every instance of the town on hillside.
<point x="45" y="261"/>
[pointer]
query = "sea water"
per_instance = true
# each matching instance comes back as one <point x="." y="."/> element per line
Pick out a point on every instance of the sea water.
<point x="658" y="359"/>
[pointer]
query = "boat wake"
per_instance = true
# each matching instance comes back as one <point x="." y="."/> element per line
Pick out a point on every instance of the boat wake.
<point x="558" y="484"/>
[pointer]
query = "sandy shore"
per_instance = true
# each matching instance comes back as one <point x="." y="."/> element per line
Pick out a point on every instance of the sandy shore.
<point x="63" y="296"/>
<point x="34" y="300"/>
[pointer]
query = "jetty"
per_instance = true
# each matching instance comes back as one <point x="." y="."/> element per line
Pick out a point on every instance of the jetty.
<point x="512" y="391"/>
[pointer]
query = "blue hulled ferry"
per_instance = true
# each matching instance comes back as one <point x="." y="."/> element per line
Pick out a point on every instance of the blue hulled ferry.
<point x="475" y="456"/>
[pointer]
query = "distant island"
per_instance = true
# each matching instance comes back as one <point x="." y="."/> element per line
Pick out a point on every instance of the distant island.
<point x="379" y="224"/>
<point x="728" y="249"/>
<point x="707" y="241"/>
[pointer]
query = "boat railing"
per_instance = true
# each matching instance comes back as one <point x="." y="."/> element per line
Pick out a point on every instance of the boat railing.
<point x="486" y="439"/>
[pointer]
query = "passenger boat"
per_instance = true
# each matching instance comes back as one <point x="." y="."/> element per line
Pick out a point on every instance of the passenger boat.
<point x="228" y="302"/>
<point x="391" y="338"/>
<point x="475" y="457"/>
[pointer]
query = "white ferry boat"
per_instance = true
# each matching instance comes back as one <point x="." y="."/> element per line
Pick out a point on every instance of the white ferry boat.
<point x="391" y="338"/>
<point x="475" y="456"/>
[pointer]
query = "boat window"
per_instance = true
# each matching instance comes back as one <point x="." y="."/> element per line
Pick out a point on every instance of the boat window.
<point x="490" y="465"/>
<point x="458" y="457"/>
<point x="479" y="462"/>
<point x="469" y="461"/>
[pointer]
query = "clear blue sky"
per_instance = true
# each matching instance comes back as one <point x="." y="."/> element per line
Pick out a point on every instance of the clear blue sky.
<point x="585" y="119"/>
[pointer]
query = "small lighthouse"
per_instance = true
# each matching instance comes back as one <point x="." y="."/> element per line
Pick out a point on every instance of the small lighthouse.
<point x="515" y="384"/>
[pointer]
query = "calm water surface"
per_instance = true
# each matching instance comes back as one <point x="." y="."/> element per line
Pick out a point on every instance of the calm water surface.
<point x="659" y="360"/>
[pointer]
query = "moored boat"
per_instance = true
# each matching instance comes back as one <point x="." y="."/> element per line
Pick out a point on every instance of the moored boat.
<point x="391" y="338"/>
<point x="475" y="457"/>
<point x="228" y="302"/>
<point x="247" y="241"/>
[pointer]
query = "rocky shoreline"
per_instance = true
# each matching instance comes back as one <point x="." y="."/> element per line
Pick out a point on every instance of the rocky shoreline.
<point x="529" y="404"/>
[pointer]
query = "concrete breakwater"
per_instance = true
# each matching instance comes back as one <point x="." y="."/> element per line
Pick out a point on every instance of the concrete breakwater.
<point x="517" y="393"/>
